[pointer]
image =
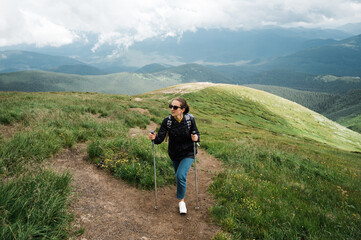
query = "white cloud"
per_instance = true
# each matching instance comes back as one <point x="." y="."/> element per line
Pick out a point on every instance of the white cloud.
<point x="123" y="22"/>
<point x="18" y="26"/>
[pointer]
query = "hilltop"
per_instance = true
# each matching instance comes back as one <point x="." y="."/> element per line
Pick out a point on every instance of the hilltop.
<point x="327" y="132"/>
<point x="288" y="172"/>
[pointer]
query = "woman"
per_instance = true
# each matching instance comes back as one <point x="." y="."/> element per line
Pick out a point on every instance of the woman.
<point x="179" y="126"/>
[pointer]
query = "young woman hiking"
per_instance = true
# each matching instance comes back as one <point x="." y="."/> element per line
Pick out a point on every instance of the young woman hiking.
<point x="179" y="126"/>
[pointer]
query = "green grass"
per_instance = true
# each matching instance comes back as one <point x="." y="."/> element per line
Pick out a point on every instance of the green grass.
<point x="35" y="207"/>
<point x="272" y="194"/>
<point x="289" y="173"/>
<point x="317" y="101"/>
<point x="352" y="122"/>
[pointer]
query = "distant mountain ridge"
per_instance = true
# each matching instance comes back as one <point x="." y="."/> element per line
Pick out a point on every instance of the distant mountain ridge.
<point x="14" y="61"/>
<point x="80" y="69"/>
<point x="171" y="75"/>
<point x="194" y="73"/>
<point x="224" y="46"/>
<point x="152" y="68"/>
<point x="341" y="59"/>
<point x="11" y="61"/>
<point x="305" y="81"/>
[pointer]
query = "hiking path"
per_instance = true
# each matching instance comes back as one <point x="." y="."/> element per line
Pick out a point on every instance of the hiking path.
<point x="109" y="208"/>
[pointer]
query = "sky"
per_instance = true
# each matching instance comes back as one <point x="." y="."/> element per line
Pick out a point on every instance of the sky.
<point x="122" y="23"/>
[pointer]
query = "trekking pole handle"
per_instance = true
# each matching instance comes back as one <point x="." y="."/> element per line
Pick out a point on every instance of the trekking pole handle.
<point x="194" y="132"/>
<point x="152" y="132"/>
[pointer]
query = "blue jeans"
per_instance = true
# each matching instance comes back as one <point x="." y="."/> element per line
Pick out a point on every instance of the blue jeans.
<point x="181" y="169"/>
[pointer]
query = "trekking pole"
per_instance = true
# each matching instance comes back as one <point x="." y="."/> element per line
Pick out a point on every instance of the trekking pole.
<point x="155" y="175"/>
<point x="195" y="172"/>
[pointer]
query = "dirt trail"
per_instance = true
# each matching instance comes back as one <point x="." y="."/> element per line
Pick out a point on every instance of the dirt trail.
<point x="108" y="208"/>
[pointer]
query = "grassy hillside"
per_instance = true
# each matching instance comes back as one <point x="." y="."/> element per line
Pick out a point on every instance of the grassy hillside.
<point x="316" y="101"/>
<point x="347" y="110"/>
<point x="299" y="120"/>
<point x="289" y="172"/>
<point x="119" y="83"/>
<point x="344" y="109"/>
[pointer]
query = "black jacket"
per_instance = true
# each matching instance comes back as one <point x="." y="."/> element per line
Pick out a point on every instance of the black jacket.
<point x="180" y="144"/>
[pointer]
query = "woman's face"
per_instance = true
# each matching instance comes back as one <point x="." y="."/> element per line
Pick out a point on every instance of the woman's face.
<point x="179" y="111"/>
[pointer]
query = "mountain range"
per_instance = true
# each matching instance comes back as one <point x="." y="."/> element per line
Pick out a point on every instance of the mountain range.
<point x="342" y="58"/>
<point x="237" y="54"/>
<point x="213" y="46"/>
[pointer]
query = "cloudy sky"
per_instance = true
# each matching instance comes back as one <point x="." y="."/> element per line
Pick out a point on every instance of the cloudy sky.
<point x="123" y="22"/>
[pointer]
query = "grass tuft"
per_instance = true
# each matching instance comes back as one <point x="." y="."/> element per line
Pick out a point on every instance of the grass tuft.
<point x="35" y="207"/>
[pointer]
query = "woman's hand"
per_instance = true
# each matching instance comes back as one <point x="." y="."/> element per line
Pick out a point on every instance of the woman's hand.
<point x="151" y="136"/>
<point x="194" y="137"/>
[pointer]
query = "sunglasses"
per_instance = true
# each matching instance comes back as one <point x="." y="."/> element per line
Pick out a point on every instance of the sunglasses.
<point x="174" y="107"/>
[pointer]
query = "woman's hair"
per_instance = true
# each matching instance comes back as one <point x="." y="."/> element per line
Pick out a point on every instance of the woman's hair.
<point x="183" y="104"/>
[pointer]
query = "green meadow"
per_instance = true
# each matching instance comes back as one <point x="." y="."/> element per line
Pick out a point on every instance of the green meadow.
<point x="289" y="173"/>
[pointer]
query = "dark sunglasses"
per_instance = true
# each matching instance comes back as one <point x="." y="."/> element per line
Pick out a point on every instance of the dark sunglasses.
<point x="174" y="107"/>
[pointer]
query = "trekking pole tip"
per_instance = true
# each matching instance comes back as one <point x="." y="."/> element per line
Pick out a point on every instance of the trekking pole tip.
<point x="156" y="208"/>
<point x="197" y="208"/>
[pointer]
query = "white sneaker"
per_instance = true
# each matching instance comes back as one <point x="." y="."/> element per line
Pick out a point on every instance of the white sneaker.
<point x="182" y="208"/>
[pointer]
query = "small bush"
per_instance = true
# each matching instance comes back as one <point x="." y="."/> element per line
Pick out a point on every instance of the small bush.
<point x="95" y="150"/>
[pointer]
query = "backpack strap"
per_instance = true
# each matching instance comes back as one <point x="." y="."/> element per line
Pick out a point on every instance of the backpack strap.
<point x="188" y="117"/>
<point x="169" y="122"/>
